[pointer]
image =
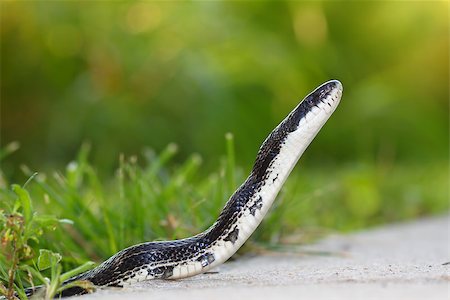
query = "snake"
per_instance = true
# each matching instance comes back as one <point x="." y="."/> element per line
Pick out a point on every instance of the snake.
<point x="239" y="218"/>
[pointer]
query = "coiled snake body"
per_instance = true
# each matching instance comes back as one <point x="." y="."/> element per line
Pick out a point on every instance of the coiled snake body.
<point x="242" y="213"/>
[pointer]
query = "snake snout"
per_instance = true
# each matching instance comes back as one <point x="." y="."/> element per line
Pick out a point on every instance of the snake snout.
<point x="335" y="84"/>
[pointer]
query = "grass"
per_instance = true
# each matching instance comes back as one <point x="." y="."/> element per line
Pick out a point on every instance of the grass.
<point x="19" y="227"/>
<point x="151" y="199"/>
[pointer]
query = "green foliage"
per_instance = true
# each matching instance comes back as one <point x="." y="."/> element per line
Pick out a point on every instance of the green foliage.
<point x="21" y="230"/>
<point x="141" y="203"/>
<point x="47" y="259"/>
<point x="152" y="200"/>
<point x="127" y="75"/>
<point x="53" y="286"/>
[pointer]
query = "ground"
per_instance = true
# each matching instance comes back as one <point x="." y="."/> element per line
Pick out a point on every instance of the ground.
<point x="402" y="261"/>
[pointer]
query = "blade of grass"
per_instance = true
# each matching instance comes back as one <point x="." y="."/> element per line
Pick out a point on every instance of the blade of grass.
<point x="230" y="169"/>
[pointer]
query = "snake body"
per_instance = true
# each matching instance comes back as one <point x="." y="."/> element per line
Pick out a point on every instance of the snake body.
<point x="242" y="213"/>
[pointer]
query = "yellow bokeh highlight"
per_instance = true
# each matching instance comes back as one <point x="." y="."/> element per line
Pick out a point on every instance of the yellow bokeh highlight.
<point x="310" y="26"/>
<point x="142" y="17"/>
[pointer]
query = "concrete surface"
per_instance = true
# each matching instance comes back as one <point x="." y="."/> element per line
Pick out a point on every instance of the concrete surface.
<point x="403" y="261"/>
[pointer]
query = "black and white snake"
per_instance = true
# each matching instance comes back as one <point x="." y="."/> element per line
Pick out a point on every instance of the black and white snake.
<point x="241" y="215"/>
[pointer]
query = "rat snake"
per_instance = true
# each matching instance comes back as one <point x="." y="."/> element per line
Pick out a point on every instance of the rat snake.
<point x="241" y="215"/>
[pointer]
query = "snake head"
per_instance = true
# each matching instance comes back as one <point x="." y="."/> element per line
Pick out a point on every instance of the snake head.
<point x="329" y="91"/>
<point x="316" y="107"/>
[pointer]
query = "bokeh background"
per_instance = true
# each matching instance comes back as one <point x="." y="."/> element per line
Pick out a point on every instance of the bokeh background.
<point x="128" y="75"/>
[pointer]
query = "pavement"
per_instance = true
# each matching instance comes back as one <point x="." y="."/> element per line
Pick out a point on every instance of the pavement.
<point x="400" y="261"/>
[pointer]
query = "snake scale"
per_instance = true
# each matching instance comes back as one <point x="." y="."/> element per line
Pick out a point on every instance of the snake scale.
<point x="241" y="215"/>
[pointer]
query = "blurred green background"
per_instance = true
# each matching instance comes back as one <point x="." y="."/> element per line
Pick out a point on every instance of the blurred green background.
<point x="125" y="75"/>
<point x="129" y="76"/>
